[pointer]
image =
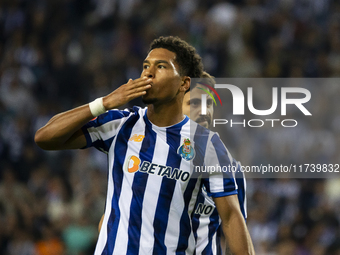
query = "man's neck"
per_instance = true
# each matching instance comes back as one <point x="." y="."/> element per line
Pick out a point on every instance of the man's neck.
<point x="165" y="115"/>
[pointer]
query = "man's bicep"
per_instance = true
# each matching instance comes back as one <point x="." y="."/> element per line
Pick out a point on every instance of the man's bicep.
<point x="226" y="206"/>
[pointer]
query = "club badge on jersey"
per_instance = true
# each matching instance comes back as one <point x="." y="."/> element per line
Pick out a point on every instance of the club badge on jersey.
<point x="186" y="150"/>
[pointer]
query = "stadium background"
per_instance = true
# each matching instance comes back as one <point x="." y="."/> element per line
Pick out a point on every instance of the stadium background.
<point x="59" y="54"/>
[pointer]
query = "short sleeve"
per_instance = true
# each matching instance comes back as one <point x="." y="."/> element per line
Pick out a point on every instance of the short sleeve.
<point x="221" y="180"/>
<point x="101" y="131"/>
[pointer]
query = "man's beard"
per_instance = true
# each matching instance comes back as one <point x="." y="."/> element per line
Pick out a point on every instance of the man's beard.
<point x="204" y="118"/>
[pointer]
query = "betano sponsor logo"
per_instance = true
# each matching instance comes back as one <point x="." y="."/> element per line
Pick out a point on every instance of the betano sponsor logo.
<point x="133" y="164"/>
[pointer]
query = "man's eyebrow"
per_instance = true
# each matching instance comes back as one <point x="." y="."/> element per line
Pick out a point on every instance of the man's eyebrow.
<point x="195" y="99"/>
<point x="156" y="62"/>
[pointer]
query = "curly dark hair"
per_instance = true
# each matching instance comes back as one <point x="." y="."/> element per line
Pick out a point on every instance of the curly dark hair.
<point x="190" y="63"/>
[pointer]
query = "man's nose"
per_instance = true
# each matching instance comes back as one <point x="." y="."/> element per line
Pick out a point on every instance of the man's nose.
<point x="149" y="73"/>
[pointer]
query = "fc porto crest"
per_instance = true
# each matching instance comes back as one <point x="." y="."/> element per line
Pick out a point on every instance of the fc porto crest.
<point x="186" y="150"/>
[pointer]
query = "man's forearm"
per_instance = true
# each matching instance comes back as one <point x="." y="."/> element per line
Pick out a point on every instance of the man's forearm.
<point x="234" y="226"/>
<point x="61" y="130"/>
<point x="237" y="236"/>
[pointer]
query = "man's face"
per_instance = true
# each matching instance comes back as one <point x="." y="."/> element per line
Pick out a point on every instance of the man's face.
<point x="192" y="105"/>
<point x="160" y="65"/>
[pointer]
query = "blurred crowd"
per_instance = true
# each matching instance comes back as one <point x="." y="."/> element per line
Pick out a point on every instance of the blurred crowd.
<point x="59" y="54"/>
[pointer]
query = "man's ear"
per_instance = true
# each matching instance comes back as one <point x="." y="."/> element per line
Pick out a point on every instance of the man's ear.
<point x="185" y="83"/>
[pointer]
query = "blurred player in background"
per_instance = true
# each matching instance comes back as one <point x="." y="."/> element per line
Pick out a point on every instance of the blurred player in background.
<point x="206" y="221"/>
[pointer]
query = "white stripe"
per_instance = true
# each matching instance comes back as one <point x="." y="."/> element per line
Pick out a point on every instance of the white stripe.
<point x="192" y="202"/>
<point x="245" y="195"/>
<point x="148" y="215"/>
<point x="126" y="193"/>
<point x="173" y="228"/>
<point x="106" y="131"/>
<point x="150" y="201"/>
<point x="215" y="178"/>
<point x="202" y="234"/>
<point x="213" y="245"/>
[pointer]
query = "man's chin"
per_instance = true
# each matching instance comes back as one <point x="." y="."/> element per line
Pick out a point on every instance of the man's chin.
<point x="149" y="100"/>
<point x="204" y="124"/>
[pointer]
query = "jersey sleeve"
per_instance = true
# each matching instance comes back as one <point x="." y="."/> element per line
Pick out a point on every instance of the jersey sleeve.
<point x="221" y="181"/>
<point x="241" y="188"/>
<point x="101" y="131"/>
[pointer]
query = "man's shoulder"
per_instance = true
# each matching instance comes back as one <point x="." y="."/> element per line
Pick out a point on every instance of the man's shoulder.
<point x="197" y="130"/>
<point x="202" y="138"/>
<point x="116" y="113"/>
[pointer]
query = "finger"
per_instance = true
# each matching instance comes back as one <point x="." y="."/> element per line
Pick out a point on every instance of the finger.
<point x="143" y="88"/>
<point x="135" y="94"/>
<point x="139" y="94"/>
<point x="137" y="80"/>
<point x="131" y="81"/>
<point x="138" y="90"/>
<point x="140" y="82"/>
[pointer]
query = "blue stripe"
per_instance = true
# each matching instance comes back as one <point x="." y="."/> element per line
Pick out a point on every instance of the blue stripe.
<point x="241" y="195"/>
<point x="103" y="145"/>
<point x="213" y="226"/>
<point x="218" y="240"/>
<point x="200" y="141"/>
<point x="222" y="194"/>
<point x="107" y="117"/>
<point x="241" y="190"/>
<point x="117" y="175"/>
<point x="185" y="226"/>
<point x="138" y="189"/>
<point x="166" y="192"/>
<point x="87" y="136"/>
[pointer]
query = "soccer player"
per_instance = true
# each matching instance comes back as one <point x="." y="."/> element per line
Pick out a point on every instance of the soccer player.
<point x="206" y="222"/>
<point x="152" y="154"/>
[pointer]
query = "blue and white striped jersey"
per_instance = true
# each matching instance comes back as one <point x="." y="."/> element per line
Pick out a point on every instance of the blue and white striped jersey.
<point x="151" y="188"/>
<point x="206" y="221"/>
